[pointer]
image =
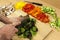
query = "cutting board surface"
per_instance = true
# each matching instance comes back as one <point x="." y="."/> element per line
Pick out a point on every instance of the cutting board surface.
<point x="43" y="28"/>
<point x="55" y="35"/>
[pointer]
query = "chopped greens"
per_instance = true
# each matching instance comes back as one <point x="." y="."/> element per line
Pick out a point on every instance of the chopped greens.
<point x="51" y="11"/>
<point x="48" y="10"/>
<point x="59" y="22"/>
<point x="27" y="28"/>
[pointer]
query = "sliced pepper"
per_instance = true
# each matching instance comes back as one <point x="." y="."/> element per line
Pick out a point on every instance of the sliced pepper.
<point x="19" y="5"/>
<point x="35" y="11"/>
<point x="28" y="7"/>
<point x="42" y="17"/>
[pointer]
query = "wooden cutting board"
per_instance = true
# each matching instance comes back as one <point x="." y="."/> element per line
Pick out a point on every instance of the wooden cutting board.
<point x="44" y="29"/>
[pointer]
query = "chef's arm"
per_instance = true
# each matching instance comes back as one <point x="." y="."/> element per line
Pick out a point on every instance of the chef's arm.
<point x="4" y="19"/>
<point x="2" y="35"/>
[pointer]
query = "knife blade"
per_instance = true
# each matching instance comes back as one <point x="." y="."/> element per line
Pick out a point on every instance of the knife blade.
<point x="39" y="4"/>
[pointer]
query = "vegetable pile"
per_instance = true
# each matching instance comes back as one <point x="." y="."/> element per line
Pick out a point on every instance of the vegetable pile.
<point x="40" y="13"/>
<point x="34" y="11"/>
<point x="51" y="11"/>
<point x="27" y="28"/>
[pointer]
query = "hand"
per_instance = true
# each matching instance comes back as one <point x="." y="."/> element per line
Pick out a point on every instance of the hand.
<point x="15" y="21"/>
<point x="8" y="30"/>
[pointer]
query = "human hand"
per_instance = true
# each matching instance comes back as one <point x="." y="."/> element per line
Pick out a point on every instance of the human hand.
<point x="15" y="21"/>
<point x="8" y="30"/>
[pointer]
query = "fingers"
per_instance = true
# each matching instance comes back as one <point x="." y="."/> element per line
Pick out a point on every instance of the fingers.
<point x="12" y="27"/>
<point x="9" y="30"/>
<point x="4" y="19"/>
<point x="16" y="23"/>
<point x="16" y="30"/>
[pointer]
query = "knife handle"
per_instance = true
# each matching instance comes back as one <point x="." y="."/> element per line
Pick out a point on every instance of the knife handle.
<point x="37" y="4"/>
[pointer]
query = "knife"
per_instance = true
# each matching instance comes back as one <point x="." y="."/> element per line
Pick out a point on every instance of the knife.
<point x="39" y="4"/>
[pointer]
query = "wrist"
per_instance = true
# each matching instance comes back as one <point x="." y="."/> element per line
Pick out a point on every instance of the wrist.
<point x="2" y="35"/>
